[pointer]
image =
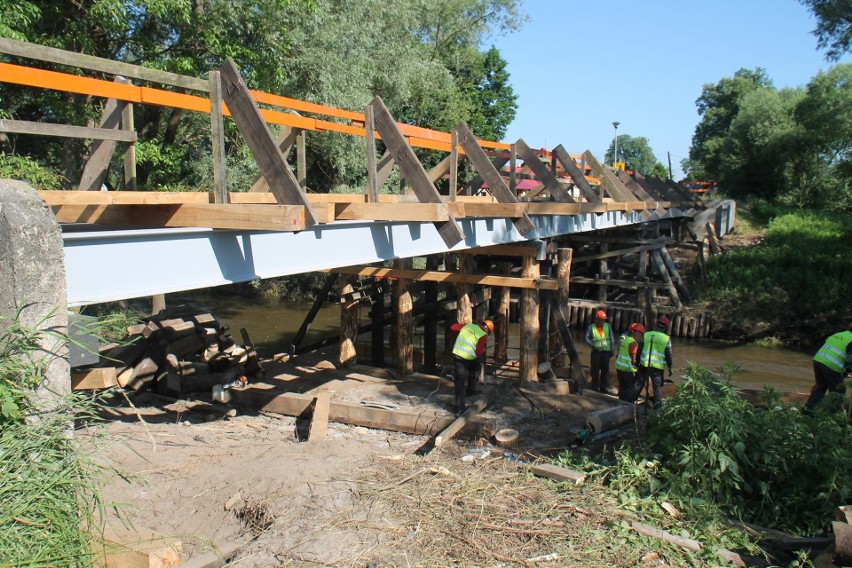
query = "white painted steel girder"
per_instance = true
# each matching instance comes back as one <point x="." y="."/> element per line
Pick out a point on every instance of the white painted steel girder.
<point x="104" y="266"/>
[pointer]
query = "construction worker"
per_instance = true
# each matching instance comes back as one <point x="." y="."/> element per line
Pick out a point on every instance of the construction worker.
<point x="626" y="363"/>
<point x="656" y="355"/>
<point x="599" y="338"/>
<point x="469" y="356"/>
<point x="832" y="360"/>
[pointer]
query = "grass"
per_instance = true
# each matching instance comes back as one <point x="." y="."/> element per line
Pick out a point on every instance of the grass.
<point x="47" y="489"/>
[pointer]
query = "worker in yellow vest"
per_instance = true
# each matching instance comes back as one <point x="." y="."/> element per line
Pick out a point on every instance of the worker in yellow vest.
<point x="599" y="338"/>
<point x="469" y="357"/>
<point x="832" y="360"/>
<point x="656" y="355"/>
<point x="627" y="362"/>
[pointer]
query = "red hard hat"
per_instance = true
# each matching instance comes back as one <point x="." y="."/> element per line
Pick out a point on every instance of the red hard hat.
<point x="663" y="321"/>
<point x="601" y="315"/>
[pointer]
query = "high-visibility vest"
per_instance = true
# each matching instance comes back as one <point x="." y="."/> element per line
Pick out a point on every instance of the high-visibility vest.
<point x="833" y="353"/>
<point x="600" y="337"/>
<point x="654" y="350"/>
<point x="465" y="346"/>
<point x="624" y="362"/>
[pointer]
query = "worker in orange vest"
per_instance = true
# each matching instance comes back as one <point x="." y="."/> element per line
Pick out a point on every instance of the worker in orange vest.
<point x="599" y="338"/>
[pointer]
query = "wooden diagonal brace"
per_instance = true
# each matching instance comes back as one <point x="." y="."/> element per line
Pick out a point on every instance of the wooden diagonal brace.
<point x="282" y="183"/>
<point x="613" y="186"/>
<point x="95" y="171"/>
<point x="576" y="175"/>
<point x="412" y="169"/>
<point x="542" y="173"/>
<point x="485" y="168"/>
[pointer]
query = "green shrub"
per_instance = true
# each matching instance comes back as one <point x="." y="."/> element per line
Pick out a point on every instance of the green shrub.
<point x="25" y="169"/>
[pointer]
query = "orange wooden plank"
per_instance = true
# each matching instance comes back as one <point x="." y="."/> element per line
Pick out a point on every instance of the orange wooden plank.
<point x="176" y="100"/>
<point x="295" y="104"/>
<point x="69" y="83"/>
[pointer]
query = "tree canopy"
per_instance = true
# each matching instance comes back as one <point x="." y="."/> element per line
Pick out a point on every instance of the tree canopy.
<point x="637" y="155"/>
<point x="422" y="57"/>
<point x="791" y="146"/>
<point x="834" y="26"/>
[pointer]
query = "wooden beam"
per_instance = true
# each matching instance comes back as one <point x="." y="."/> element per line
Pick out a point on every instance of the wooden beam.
<point x="285" y="141"/>
<point x="661" y="268"/>
<point x="292" y="404"/>
<point x="412" y="169"/>
<point x="93" y="379"/>
<point x="485" y="168"/>
<point x="65" y="131"/>
<point x="530" y="325"/>
<point x="404" y="303"/>
<point x="630" y="284"/>
<point x="613" y="186"/>
<point x="216" y="216"/>
<point x="476" y="183"/>
<point x="451" y="277"/>
<point x="410" y="212"/>
<point x="543" y="174"/>
<point x="101" y="151"/>
<point x="217" y="138"/>
<point x="319" y="419"/>
<point x="577" y="176"/>
<point x="251" y="124"/>
<point x="372" y="189"/>
<point x="520" y="249"/>
<point x="660" y="243"/>
<point x="459" y="423"/>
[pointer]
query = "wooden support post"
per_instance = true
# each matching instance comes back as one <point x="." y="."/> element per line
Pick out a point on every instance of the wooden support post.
<point x="372" y="175"/>
<point x="454" y="166"/>
<point x="563" y="274"/>
<point x="529" y="324"/>
<point x="348" y="323"/>
<point x="604" y="274"/>
<point x="679" y="282"/>
<point x="513" y="165"/>
<point x="404" y="320"/>
<point x="301" y="160"/>
<point x="430" y="321"/>
<point x="217" y="138"/>
<point x="702" y="264"/>
<point x="129" y="152"/>
<point x="501" y="320"/>
<point x="377" y="328"/>
<point x="95" y="170"/>
<point x="464" y="309"/>
<point x="319" y="419"/>
<point x="544" y="332"/>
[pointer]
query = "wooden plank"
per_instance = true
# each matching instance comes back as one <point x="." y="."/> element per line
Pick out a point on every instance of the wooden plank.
<point x="217" y="138"/>
<point x="486" y="169"/>
<point x="292" y="404"/>
<point x="450" y="277"/>
<point x="410" y="212"/>
<point x="92" y="63"/>
<point x="412" y="169"/>
<point x="520" y="249"/>
<point x="454" y="166"/>
<point x="542" y="174"/>
<point x="93" y="379"/>
<point x="552" y="208"/>
<point x="65" y="131"/>
<point x="372" y="189"/>
<point x="577" y="176"/>
<point x="557" y="473"/>
<point x="251" y="124"/>
<point x="440" y="169"/>
<point x="630" y="284"/>
<point x="488" y="210"/>
<point x="319" y="419"/>
<point x="216" y="216"/>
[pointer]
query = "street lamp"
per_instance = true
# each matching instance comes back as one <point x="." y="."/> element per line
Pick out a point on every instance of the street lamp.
<point x="615" y="150"/>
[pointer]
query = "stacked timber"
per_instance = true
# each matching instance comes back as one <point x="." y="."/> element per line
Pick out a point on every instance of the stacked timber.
<point x="173" y="356"/>
<point x="582" y="314"/>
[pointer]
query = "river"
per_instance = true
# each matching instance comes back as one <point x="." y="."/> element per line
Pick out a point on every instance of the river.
<point x="272" y="325"/>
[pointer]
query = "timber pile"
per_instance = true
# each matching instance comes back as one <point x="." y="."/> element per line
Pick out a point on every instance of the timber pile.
<point x="173" y="356"/>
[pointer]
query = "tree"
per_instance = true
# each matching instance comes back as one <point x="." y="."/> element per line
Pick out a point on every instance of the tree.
<point x="834" y="26"/>
<point x="637" y="155"/>
<point x="717" y="107"/>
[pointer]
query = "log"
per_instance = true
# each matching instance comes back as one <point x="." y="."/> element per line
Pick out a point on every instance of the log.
<point x="470" y="413"/>
<point x="557" y="473"/>
<point x="611" y="418"/>
<point x="687" y="543"/>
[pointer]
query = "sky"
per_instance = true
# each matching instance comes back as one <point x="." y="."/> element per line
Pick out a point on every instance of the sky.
<point x="576" y="67"/>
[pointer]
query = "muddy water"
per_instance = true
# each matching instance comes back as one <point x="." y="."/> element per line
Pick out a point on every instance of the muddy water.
<point x="273" y="325"/>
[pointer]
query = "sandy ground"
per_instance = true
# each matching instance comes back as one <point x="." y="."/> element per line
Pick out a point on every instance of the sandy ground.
<point x="254" y="479"/>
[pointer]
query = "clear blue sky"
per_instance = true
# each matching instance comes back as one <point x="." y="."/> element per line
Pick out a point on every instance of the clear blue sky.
<point x="578" y="66"/>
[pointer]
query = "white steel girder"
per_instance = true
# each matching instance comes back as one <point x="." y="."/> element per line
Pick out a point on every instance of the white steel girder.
<point x="109" y="265"/>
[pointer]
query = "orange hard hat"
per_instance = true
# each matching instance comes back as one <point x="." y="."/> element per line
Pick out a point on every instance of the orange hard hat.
<point x="636" y="327"/>
<point x="663" y="321"/>
<point x="489" y="324"/>
<point x="601" y="315"/>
